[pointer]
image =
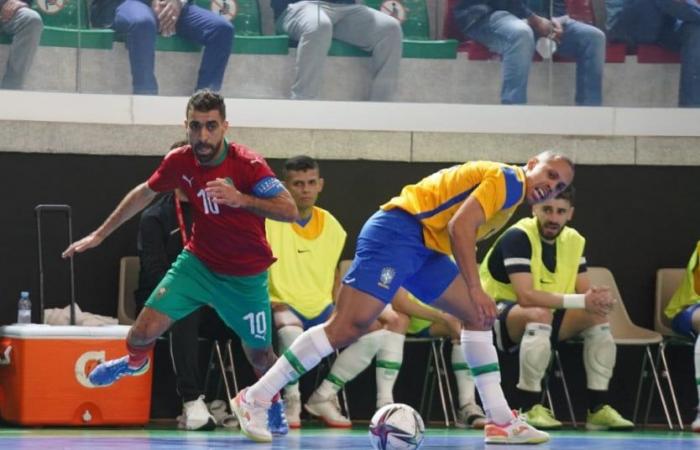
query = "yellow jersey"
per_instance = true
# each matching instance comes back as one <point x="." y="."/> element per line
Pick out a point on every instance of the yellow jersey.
<point x="499" y="189"/>
<point x="307" y="257"/>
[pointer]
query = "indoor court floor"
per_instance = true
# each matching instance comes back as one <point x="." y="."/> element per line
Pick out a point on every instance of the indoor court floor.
<point x="319" y="438"/>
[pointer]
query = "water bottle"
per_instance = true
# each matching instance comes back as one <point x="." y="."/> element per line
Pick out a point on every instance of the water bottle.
<point x="24" y="308"/>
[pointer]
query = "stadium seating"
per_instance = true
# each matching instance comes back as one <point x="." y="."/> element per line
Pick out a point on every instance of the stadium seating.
<point x="650" y="53"/>
<point x="581" y="10"/>
<point x="66" y="25"/>
<point x="245" y="15"/>
<point x="415" y="23"/>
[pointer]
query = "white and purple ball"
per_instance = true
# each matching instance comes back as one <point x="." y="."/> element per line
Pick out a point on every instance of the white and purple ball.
<point x="396" y="427"/>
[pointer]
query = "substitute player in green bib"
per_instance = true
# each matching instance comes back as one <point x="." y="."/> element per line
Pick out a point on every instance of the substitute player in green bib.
<point x="302" y="286"/>
<point x="536" y="271"/>
<point x="684" y="312"/>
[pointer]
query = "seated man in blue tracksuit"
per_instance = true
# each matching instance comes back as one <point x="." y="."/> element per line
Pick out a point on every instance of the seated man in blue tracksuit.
<point x="675" y="24"/>
<point x="141" y="21"/>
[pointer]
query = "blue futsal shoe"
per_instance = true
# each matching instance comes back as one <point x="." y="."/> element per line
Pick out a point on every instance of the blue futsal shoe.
<point x="276" y="418"/>
<point x="107" y="372"/>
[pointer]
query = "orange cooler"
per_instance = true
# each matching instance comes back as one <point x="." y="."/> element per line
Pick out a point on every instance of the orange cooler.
<point x="43" y="377"/>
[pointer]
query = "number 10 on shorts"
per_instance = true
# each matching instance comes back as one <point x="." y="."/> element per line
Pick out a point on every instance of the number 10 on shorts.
<point x="257" y="323"/>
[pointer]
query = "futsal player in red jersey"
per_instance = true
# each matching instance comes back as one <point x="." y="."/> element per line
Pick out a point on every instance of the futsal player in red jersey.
<point x="224" y="264"/>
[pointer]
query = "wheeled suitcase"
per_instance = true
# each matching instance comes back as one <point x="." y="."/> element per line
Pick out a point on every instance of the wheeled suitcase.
<point x="43" y="368"/>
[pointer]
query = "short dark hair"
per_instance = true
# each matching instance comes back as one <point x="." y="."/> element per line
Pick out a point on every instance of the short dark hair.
<point x="299" y="163"/>
<point x="568" y="194"/>
<point x="206" y="100"/>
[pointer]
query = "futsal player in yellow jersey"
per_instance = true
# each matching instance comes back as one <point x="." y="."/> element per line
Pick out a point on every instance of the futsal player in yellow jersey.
<point x="684" y="312"/>
<point x="302" y="283"/>
<point x="408" y="244"/>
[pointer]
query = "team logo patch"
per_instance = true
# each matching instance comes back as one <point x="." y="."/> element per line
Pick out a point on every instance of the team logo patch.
<point x="226" y="8"/>
<point x="161" y="292"/>
<point x="51" y="6"/>
<point x="386" y="277"/>
<point x="394" y="9"/>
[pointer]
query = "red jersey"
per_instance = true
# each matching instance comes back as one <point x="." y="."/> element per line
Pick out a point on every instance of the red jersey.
<point x="229" y="241"/>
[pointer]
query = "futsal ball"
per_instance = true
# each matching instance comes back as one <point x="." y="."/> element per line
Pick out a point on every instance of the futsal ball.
<point x="396" y="427"/>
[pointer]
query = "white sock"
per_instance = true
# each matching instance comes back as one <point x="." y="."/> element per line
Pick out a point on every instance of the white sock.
<point x="463" y="375"/>
<point x="351" y="361"/>
<point x="389" y="360"/>
<point x="481" y="356"/>
<point x="697" y="365"/>
<point x="304" y="354"/>
<point x="287" y="335"/>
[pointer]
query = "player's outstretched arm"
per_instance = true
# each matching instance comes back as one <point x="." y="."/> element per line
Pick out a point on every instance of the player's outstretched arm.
<point x="133" y="202"/>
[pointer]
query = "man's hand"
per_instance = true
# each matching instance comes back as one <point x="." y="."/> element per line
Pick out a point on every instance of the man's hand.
<point x="599" y="300"/>
<point x="484" y="306"/>
<point x="168" y="13"/>
<point x="222" y="192"/>
<point x="89" y="241"/>
<point x="557" y="30"/>
<point x="545" y="27"/>
<point x="9" y="8"/>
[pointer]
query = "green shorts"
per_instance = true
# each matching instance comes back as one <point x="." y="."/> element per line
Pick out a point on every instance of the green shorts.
<point x="242" y="302"/>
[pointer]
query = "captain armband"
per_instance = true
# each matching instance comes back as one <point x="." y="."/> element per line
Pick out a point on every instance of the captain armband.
<point x="574" y="301"/>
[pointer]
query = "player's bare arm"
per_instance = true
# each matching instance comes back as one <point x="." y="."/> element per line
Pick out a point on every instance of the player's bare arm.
<point x="133" y="202"/>
<point x="597" y="300"/>
<point x="462" y="229"/>
<point x="403" y="304"/>
<point x="280" y="207"/>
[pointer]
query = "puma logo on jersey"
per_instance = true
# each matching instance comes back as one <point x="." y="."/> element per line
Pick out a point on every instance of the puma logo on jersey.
<point x="189" y="180"/>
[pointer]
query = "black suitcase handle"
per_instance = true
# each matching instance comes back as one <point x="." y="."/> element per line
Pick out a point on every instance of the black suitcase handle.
<point x="66" y="209"/>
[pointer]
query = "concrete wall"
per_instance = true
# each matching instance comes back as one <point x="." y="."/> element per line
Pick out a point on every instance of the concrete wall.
<point x="421" y="80"/>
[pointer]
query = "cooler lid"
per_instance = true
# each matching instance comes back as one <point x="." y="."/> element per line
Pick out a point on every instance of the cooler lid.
<point x="41" y="331"/>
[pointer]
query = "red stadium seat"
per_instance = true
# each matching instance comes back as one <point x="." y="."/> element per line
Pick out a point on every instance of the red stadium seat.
<point x="649" y="53"/>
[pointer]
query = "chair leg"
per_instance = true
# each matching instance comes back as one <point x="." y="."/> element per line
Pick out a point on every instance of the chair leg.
<point x="642" y="375"/>
<point x="446" y="373"/>
<point x="232" y="363"/>
<point x="435" y="349"/>
<point x="560" y="368"/>
<point x="667" y="375"/>
<point x="428" y="386"/>
<point x="222" y="367"/>
<point x="657" y="382"/>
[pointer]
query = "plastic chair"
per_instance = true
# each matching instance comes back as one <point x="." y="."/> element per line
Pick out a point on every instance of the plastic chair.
<point x="129" y="267"/>
<point x="625" y="332"/>
<point x="667" y="281"/>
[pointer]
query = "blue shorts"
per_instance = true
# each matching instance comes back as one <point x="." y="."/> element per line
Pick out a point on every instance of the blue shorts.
<point x="391" y="253"/>
<point x="307" y="323"/>
<point x="682" y="322"/>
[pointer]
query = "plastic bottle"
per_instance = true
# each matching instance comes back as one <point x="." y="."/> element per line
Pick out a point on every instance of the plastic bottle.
<point x="24" y="308"/>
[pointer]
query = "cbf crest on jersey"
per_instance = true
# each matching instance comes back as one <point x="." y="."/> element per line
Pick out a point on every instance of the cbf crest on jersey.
<point x="386" y="277"/>
<point x="226" y="8"/>
<point x="395" y="9"/>
<point x="51" y="6"/>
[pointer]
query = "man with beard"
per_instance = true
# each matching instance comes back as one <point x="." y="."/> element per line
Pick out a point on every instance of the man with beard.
<point x="536" y="271"/>
<point x="224" y="264"/>
<point x="408" y="243"/>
